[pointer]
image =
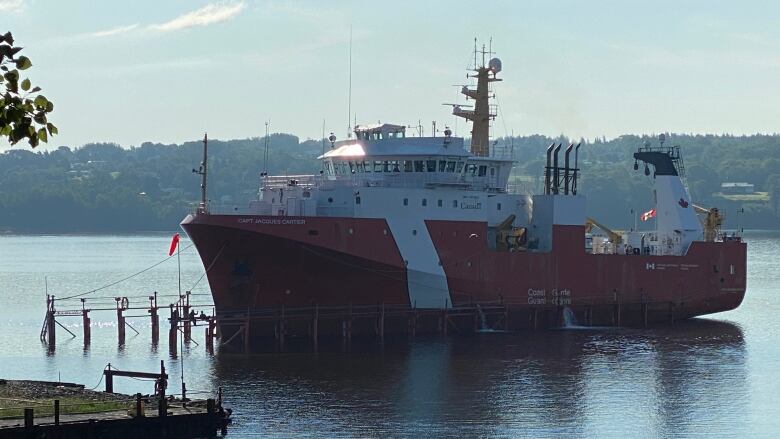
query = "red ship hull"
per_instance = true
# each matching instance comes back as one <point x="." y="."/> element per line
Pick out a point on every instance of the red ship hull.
<point x="265" y="262"/>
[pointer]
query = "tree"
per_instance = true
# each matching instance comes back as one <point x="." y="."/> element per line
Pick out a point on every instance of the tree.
<point x="23" y="110"/>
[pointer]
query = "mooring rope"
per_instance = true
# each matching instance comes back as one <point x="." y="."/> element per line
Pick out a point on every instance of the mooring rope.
<point x="125" y="278"/>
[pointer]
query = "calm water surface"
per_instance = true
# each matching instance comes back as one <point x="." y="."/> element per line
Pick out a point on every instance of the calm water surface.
<point x="718" y="376"/>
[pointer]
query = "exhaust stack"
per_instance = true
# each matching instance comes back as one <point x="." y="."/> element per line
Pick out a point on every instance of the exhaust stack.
<point x="547" y="169"/>
<point x="556" y="169"/>
<point x="566" y="177"/>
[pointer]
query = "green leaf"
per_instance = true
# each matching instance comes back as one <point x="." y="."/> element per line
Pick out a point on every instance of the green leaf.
<point x="41" y="101"/>
<point x="52" y="129"/>
<point x="33" y="141"/>
<point x="23" y="63"/>
<point x="49" y="107"/>
<point x="26" y="85"/>
<point x="40" y="118"/>
<point x="42" y="135"/>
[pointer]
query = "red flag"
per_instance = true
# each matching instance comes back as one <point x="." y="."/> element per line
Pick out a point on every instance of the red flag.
<point x="174" y="244"/>
<point x="649" y="214"/>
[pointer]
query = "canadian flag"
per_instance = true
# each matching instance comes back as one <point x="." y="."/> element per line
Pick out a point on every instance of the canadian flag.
<point x="649" y="214"/>
<point x="174" y="244"/>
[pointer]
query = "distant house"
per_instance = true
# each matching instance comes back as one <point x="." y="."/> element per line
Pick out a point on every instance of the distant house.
<point x="736" y="188"/>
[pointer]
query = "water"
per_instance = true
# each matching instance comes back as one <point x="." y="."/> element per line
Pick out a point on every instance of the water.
<point x="706" y="377"/>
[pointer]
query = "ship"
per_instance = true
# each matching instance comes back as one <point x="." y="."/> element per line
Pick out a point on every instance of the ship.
<point x="429" y="224"/>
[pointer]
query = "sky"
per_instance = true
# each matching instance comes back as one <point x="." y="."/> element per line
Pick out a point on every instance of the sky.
<point x="168" y="71"/>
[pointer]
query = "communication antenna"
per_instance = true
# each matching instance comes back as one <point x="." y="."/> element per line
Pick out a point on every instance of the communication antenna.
<point x="322" y="162"/>
<point x="265" y="155"/>
<point x="349" y="98"/>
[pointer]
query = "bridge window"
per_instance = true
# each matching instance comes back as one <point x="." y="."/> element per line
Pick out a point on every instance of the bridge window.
<point x="360" y="167"/>
<point x="424" y="201"/>
<point x="408" y="166"/>
<point x="406" y="201"/>
<point x="394" y="166"/>
<point x="450" y="166"/>
<point x="377" y="166"/>
<point x="352" y="167"/>
<point x="498" y="206"/>
<point x="482" y="171"/>
<point x="431" y="165"/>
<point x="460" y="167"/>
<point x="419" y="166"/>
<point x="471" y="169"/>
<point x="440" y="203"/>
<point x="492" y="172"/>
<point x="357" y="200"/>
<point x="442" y="165"/>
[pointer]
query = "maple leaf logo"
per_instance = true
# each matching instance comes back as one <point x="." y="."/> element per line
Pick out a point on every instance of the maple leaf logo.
<point x="683" y="203"/>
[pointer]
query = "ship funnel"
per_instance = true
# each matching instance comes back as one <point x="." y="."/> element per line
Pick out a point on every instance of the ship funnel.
<point x="556" y="173"/>
<point x="547" y="169"/>
<point x="576" y="169"/>
<point x="566" y="176"/>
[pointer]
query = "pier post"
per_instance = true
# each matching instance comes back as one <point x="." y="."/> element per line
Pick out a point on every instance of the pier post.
<point x="138" y="403"/>
<point x="186" y="317"/>
<point x="162" y="406"/>
<point x="173" y="332"/>
<point x="28" y="418"/>
<point x="155" y="317"/>
<point x="120" y="321"/>
<point x="86" y="323"/>
<point x="51" y="325"/>
<point x="56" y="412"/>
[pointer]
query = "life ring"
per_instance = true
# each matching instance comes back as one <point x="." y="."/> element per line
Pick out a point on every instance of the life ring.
<point x="125" y="303"/>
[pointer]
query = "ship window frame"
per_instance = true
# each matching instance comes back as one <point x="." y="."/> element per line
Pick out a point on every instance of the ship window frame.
<point x="406" y="201"/>
<point x="460" y="167"/>
<point x="377" y="165"/>
<point x="451" y="166"/>
<point x="408" y="166"/>
<point x="442" y="165"/>
<point x="482" y="171"/>
<point x="440" y="203"/>
<point x="419" y="166"/>
<point x="367" y="166"/>
<point x="471" y="168"/>
<point x="430" y="166"/>
<point x="498" y="206"/>
<point x="357" y="199"/>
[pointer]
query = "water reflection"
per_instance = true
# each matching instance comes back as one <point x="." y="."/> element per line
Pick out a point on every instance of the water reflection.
<point x="689" y="378"/>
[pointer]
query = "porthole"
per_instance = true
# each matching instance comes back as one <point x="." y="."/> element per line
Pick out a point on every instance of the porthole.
<point x="330" y="199"/>
<point x="414" y="232"/>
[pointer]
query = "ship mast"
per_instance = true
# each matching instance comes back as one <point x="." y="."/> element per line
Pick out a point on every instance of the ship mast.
<point x="481" y="115"/>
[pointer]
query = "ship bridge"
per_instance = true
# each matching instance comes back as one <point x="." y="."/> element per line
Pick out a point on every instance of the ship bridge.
<point x="382" y="155"/>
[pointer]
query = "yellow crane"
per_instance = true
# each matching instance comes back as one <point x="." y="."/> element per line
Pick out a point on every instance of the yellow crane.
<point x="615" y="237"/>
<point x="711" y="222"/>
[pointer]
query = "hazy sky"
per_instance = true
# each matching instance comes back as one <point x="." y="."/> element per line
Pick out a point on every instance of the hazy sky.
<point x="165" y="71"/>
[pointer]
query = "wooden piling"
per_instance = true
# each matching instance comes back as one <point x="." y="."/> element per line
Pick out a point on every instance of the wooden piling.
<point x="51" y="324"/>
<point x="28" y="418"/>
<point x="138" y="404"/>
<point x="86" y="323"/>
<point x="186" y="316"/>
<point x="173" y="332"/>
<point x="56" y="412"/>
<point x="155" y="318"/>
<point x="120" y="321"/>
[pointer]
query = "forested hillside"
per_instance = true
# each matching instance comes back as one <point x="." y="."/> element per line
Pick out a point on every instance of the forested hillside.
<point x="107" y="188"/>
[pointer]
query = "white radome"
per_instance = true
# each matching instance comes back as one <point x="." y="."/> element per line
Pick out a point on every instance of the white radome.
<point x="495" y="65"/>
